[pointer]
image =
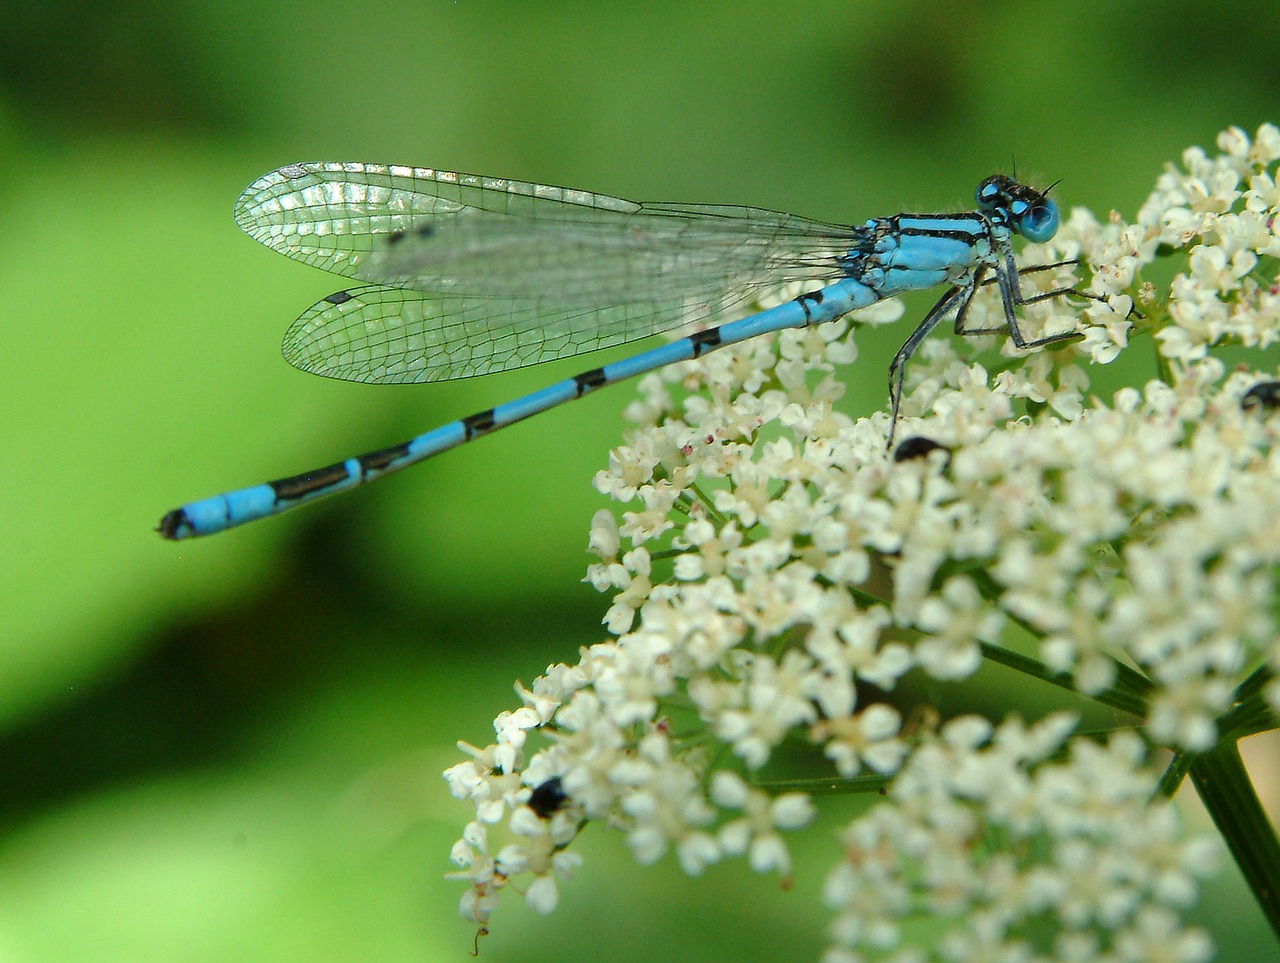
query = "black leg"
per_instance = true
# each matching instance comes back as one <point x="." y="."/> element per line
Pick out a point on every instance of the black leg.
<point x="1011" y="324"/>
<point x="956" y="299"/>
<point x="960" y="297"/>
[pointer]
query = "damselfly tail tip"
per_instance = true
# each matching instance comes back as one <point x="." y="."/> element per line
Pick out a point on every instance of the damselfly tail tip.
<point x="174" y="525"/>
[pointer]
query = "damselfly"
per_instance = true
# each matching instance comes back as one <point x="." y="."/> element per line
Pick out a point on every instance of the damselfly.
<point x="465" y="275"/>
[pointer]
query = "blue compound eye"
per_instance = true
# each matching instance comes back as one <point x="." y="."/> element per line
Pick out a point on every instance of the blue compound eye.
<point x="987" y="194"/>
<point x="1038" y="222"/>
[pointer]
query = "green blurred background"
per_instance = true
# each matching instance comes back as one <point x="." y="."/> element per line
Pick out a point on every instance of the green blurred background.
<point x="230" y="749"/>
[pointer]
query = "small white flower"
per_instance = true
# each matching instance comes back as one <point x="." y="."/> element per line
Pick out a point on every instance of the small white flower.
<point x="756" y="832"/>
<point x="632" y="578"/>
<point x="775" y="701"/>
<point x="956" y="621"/>
<point x="868" y="737"/>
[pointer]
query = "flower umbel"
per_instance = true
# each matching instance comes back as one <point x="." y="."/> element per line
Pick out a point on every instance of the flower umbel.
<point x="775" y="575"/>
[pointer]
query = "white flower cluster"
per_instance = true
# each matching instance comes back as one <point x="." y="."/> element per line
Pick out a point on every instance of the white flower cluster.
<point x="997" y="842"/>
<point x="775" y="564"/>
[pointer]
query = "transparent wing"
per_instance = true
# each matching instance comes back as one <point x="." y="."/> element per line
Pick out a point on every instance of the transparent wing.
<point x="472" y="236"/>
<point x="383" y="335"/>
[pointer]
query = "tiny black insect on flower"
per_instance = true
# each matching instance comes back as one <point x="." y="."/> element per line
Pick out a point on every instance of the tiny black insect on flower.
<point x="547" y="798"/>
<point x="914" y="447"/>
<point x="1263" y="395"/>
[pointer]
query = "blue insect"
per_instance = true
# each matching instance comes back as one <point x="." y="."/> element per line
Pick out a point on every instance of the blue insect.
<point x="464" y="275"/>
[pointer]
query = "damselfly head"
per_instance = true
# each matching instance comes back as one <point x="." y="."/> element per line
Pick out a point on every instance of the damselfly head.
<point x="1024" y="209"/>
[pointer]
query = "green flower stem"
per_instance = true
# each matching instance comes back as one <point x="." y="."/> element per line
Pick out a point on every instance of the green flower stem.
<point x="1177" y="771"/>
<point x="1228" y="794"/>
<point x="827" y="786"/>
<point x="1129" y="694"/>
<point x="1259" y="679"/>
<point x="1248" y="718"/>
<point x="1164" y="367"/>
<point x="1126" y="695"/>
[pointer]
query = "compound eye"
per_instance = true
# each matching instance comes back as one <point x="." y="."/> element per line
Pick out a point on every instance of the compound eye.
<point x="1038" y="222"/>
<point x="987" y="194"/>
